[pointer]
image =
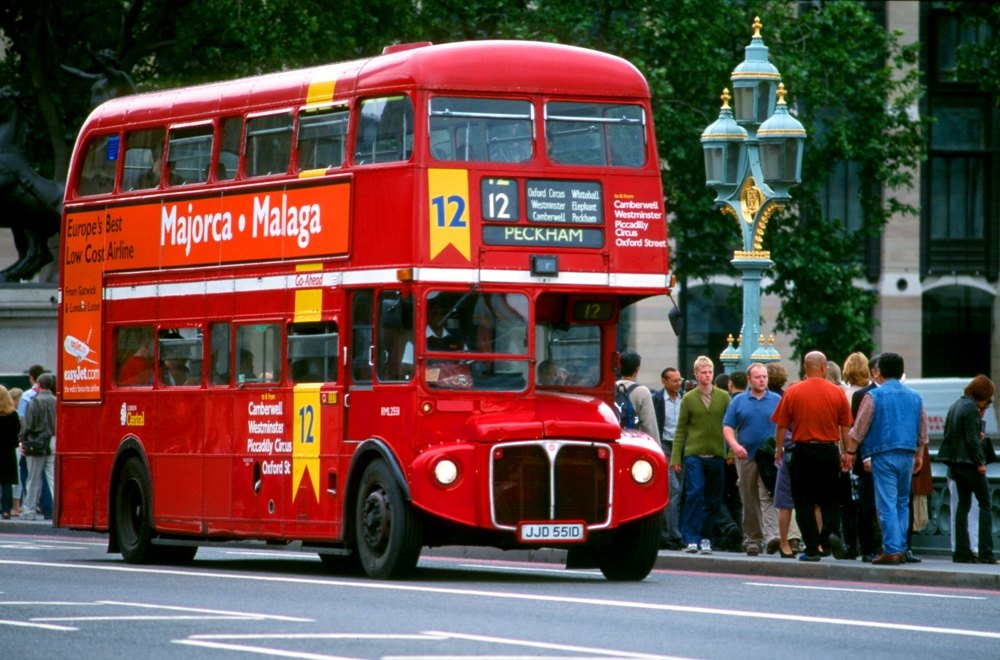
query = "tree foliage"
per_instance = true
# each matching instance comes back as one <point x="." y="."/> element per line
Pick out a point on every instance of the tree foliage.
<point x="852" y="84"/>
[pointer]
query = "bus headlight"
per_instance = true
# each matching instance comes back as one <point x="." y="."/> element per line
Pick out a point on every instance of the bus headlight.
<point x="445" y="471"/>
<point x="642" y="471"/>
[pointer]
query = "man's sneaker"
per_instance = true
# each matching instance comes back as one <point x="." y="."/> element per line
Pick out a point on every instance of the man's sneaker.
<point x="706" y="547"/>
<point x="27" y="515"/>
<point x="753" y="550"/>
<point x="692" y="548"/>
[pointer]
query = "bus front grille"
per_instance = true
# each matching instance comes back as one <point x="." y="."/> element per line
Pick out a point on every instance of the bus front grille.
<point x="550" y="481"/>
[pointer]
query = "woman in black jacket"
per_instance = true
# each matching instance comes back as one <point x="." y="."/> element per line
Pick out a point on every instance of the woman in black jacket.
<point x="10" y="426"/>
<point x="962" y="451"/>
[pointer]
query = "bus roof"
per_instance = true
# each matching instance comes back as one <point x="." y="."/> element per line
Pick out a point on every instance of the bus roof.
<point x="471" y="66"/>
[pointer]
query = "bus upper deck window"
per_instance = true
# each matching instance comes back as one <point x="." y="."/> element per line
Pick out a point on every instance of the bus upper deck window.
<point x="231" y="132"/>
<point x="483" y="130"/>
<point x="269" y="144"/>
<point x="189" y="155"/>
<point x="596" y="134"/>
<point x="99" y="162"/>
<point x="385" y="130"/>
<point x="321" y="139"/>
<point x="143" y="159"/>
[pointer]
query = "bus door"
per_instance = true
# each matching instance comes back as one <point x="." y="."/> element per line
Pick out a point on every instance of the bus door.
<point x="382" y="352"/>
<point x="360" y="398"/>
<point x="262" y="449"/>
<point x="394" y="366"/>
<point x="317" y="423"/>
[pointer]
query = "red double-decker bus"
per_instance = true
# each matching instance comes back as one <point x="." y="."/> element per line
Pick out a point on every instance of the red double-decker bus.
<point x="364" y="308"/>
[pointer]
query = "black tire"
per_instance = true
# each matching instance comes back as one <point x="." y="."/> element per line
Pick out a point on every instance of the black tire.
<point x="389" y="533"/>
<point x="632" y="554"/>
<point x="133" y="513"/>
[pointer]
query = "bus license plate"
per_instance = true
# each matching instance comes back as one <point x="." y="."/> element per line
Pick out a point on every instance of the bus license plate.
<point x="549" y="532"/>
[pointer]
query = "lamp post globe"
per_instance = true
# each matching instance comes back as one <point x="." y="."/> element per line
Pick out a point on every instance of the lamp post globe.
<point x="753" y="155"/>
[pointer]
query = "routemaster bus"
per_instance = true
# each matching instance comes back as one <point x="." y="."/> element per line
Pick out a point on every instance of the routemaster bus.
<point x="364" y="308"/>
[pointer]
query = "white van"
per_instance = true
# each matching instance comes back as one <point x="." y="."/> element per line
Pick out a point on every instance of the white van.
<point x="938" y="395"/>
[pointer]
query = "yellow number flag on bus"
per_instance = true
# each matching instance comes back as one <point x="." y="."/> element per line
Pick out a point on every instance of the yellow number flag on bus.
<point x="307" y="438"/>
<point x="448" y="192"/>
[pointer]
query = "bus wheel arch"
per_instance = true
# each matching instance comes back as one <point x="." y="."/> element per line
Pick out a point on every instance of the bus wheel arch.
<point x="130" y="448"/>
<point x="132" y="515"/>
<point x="367" y="452"/>
<point x="388" y="532"/>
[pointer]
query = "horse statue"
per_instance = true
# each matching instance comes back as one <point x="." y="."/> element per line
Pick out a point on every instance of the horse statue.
<point x="30" y="204"/>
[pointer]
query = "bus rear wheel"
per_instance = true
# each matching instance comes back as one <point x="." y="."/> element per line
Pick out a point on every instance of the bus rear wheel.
<point x="389" y="533"/>
<point x="632" y="554"/>
<point x="133" y="523"/>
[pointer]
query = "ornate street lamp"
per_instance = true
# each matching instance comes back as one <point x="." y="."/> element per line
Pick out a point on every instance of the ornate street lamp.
<point x="753" y="155"/>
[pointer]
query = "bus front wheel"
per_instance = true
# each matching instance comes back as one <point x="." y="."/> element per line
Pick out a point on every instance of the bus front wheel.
<point x="632" y="554"/>
<point x="133" y="522"/>
<point x="389" y="533"/>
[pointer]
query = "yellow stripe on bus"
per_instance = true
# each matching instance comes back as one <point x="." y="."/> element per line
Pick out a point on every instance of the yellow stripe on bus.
<point x="320" y="91"/>
<point x="308" y="302"/>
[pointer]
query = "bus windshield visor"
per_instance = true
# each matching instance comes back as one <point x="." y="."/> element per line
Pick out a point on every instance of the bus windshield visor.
<point x="476" y="340"/>
<point x="483" y="130"/>
<point x="598" y="134"/>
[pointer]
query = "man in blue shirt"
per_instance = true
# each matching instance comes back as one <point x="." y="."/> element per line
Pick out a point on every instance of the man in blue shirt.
<point x="890" y="428"/>
<point x="746" y="426"/>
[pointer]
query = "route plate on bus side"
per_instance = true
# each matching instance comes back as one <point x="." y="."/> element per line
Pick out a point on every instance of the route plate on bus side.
<point x="548" y="532"/>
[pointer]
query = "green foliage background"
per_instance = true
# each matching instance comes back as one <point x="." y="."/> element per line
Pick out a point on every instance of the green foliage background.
<point x="851" y="82"/>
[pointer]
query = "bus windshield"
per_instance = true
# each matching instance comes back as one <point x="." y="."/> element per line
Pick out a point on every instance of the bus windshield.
<point x="568" y="355"/>
<point x="476" y="340"/>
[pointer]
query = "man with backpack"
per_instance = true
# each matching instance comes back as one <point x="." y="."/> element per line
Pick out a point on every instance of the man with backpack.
<point x="634" y="402"/>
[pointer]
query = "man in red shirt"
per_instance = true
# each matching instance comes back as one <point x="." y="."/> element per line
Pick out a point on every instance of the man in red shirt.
<point x="819" y="415"/>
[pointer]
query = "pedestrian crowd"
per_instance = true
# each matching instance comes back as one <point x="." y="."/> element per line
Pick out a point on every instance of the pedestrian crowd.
<point x="837" y="464"/>
<point x="27" y="447"/>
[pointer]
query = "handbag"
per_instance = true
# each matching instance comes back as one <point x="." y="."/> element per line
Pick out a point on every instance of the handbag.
<point x="989" y="452"/>
<point x="36" y="444"/>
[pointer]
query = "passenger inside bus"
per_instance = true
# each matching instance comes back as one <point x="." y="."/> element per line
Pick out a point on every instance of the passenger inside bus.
<point x="246" y="369"/>
<point x="138" y="367"/>
<point x="551" y="375"/>
<point x="439" y="336"/>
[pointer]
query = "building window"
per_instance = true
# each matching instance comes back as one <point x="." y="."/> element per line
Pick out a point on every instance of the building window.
<point x="840" y="200"/>
<point x="711" y="314"/>
<point x="958" y="326"/>
<point x="960" y="225"/>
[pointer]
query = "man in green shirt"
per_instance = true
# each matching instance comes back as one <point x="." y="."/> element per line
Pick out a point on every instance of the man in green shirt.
<point x="700" y="450"/>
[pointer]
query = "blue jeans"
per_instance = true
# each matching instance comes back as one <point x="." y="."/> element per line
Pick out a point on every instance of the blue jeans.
<point x="703" y="484"/>
<point x="892" y="473"/>
<point x="671" y="514"/>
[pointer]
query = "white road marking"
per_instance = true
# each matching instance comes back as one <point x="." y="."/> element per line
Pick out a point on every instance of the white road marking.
<point x="238" y="642"/>
<point x="551" y="646"/>
<point x="597" y="602"/>
<point x="862" y="591"/>
<point x="178" y="608"/>
<point x="28" y="624"/>
<point x="189" y="614"/>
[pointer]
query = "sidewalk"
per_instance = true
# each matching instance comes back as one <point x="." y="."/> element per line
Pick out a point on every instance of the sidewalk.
<point x="936" y="570"/>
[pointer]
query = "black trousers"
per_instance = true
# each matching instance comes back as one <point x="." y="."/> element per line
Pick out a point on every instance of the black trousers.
<point x="970" y="482"/>
<point x="815" y="471"/>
